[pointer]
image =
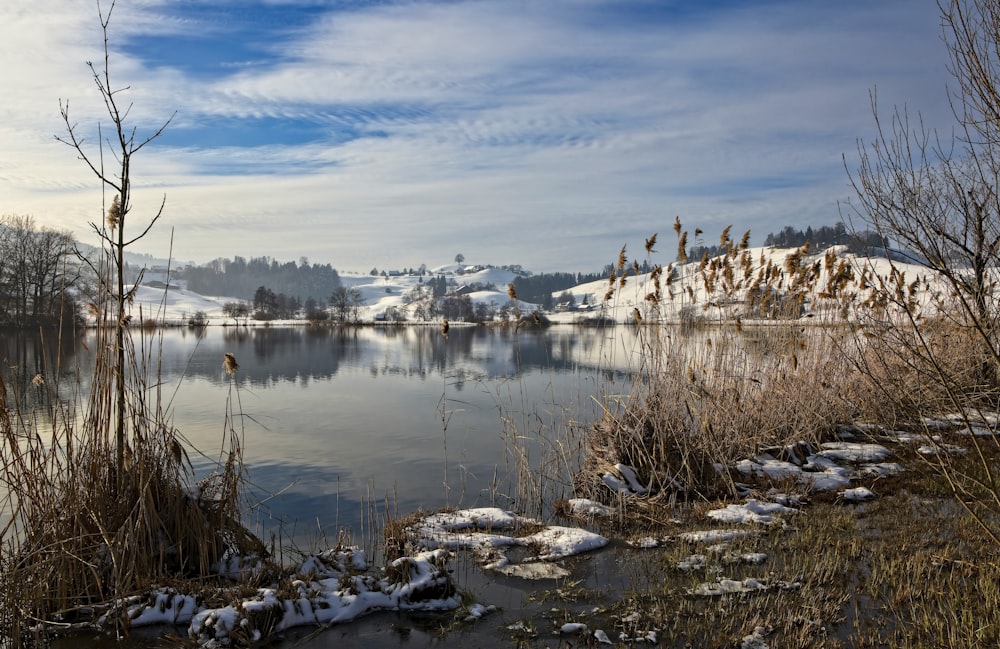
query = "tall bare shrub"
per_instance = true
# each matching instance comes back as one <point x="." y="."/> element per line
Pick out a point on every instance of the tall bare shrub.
<point x="936" y="197"/>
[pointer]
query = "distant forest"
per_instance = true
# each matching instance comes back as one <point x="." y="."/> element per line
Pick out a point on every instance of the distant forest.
<point x="538" y="289"/>
<point x="864" y="242"/>
<point x="240" y="278"/>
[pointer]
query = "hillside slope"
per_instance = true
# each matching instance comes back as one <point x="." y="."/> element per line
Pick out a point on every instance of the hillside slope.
<point x="703" y="289"/>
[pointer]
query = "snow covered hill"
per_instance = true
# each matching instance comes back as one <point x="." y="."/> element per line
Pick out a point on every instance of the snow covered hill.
<point x="689" y="288"/>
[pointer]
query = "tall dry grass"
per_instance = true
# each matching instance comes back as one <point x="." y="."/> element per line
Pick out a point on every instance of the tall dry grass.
<point x="935" y="368"/>
<point x="81" y="531"/>
<point x="739" y="353"/>
<point x="712" y="398"/>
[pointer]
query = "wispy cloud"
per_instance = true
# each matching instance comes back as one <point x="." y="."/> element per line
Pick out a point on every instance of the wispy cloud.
<point x="541" y="133"/>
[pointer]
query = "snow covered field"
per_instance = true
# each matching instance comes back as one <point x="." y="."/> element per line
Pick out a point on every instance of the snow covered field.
<point x="381" y="294"/>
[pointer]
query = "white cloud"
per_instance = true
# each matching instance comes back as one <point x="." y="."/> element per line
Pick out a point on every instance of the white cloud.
<point x="523" y="123"/>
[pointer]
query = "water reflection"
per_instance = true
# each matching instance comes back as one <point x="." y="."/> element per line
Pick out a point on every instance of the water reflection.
<point x="335" y="417"/>
<point x="25" y="355"/>
<point x="268" y="355"/>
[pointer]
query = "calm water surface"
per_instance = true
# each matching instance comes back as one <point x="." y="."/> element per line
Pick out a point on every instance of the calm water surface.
<point x="334" y="419"/>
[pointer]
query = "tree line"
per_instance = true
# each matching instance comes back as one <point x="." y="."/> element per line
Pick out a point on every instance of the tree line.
<point x="41" y="275"/>
<point x="240" y="278"/>
<point x="862" y="242"/>
<point x="538" y="289"/>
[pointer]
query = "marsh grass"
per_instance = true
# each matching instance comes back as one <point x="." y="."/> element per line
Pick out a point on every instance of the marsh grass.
<point x="905" y="570"/>
<point x="728" y="367"/>
<point x="543" y="450"/>
<point x="724" y="366"/>
<point x="744" y="352"/>
<point x="82" y="532"/>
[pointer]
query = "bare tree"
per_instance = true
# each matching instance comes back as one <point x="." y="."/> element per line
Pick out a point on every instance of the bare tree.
<point x="37" y="272"/>
<point x="346" y="304"/>
<point x="936" y="197"/>
<point x="236" y="310"/>
<point x="122" y="144"/>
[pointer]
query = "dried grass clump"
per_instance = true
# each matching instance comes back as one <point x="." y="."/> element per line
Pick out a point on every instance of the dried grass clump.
<point x="915" y="372"/>
<point x="83" y="531"/>
<point x="97" y="501"/>
<point x="719" y="397"/>
<point x="750" y="374"/>
<point x="741" y="372"/>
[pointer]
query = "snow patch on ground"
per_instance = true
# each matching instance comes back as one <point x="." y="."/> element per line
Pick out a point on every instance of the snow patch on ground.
<point x="624" y="481"/>
<point x="585" y="507"/>
<point x="460" y="530"/>
<point x="752" y="511"/>
<point x="732" y="586"/>
<point x="327" y="588"/>
<point x="830" y="468"/>
<point x="857" y="494"/>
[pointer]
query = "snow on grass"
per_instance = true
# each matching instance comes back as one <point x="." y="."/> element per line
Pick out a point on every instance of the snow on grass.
<point x="830" y="468"/>
<point x="602" y="637"/>
<point x="534" y="571"/>
<point x="561" y="542"/>
<point x="586" y="507"/>
<point x="487" y="531"/>
<point x="333" y="588"/>
<point x="624" y="481"/>
<point x="904" y="437"/>
<point x="712" y="536"/>
<point x="771" y="468"/>
<point x="857" y="494"/>
<point x="477" y="611"/>
<point x="854" y="452"/>
<point x="483" y="518"/>
<point x="166" y="606"/>
<point x="700" y="561"/>
<point x="948" y="449"/>
<point x="733" y="586"/>
<point x="460" y="530"/>
<point x="756" y="640"/>
<point x="693" y="562"/>
<point x="175" y="305"/>
<point x="752" y="511"/>
<point x="327" y="588"/>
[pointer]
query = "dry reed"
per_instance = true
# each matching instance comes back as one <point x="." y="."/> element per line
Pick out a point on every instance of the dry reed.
<point x="747" y="371"/>
<point x="83" y="532"/>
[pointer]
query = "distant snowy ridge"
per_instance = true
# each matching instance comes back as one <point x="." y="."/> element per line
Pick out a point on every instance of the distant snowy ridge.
<point x="164" y="298"/>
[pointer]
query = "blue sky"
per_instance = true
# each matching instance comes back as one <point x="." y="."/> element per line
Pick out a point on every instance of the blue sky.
<point x="546" y="133"/>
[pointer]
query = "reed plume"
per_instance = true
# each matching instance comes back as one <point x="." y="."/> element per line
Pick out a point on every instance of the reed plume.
<point x="114" y="213"/>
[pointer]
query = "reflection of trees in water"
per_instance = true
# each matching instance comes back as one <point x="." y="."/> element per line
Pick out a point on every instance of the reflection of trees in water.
<point x="302" y="354"/>
<point x="25" y="355"/>
<point x="311" y="353"/>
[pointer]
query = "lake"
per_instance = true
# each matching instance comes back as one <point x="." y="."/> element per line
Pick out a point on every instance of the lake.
<point x="338" y="421"/>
